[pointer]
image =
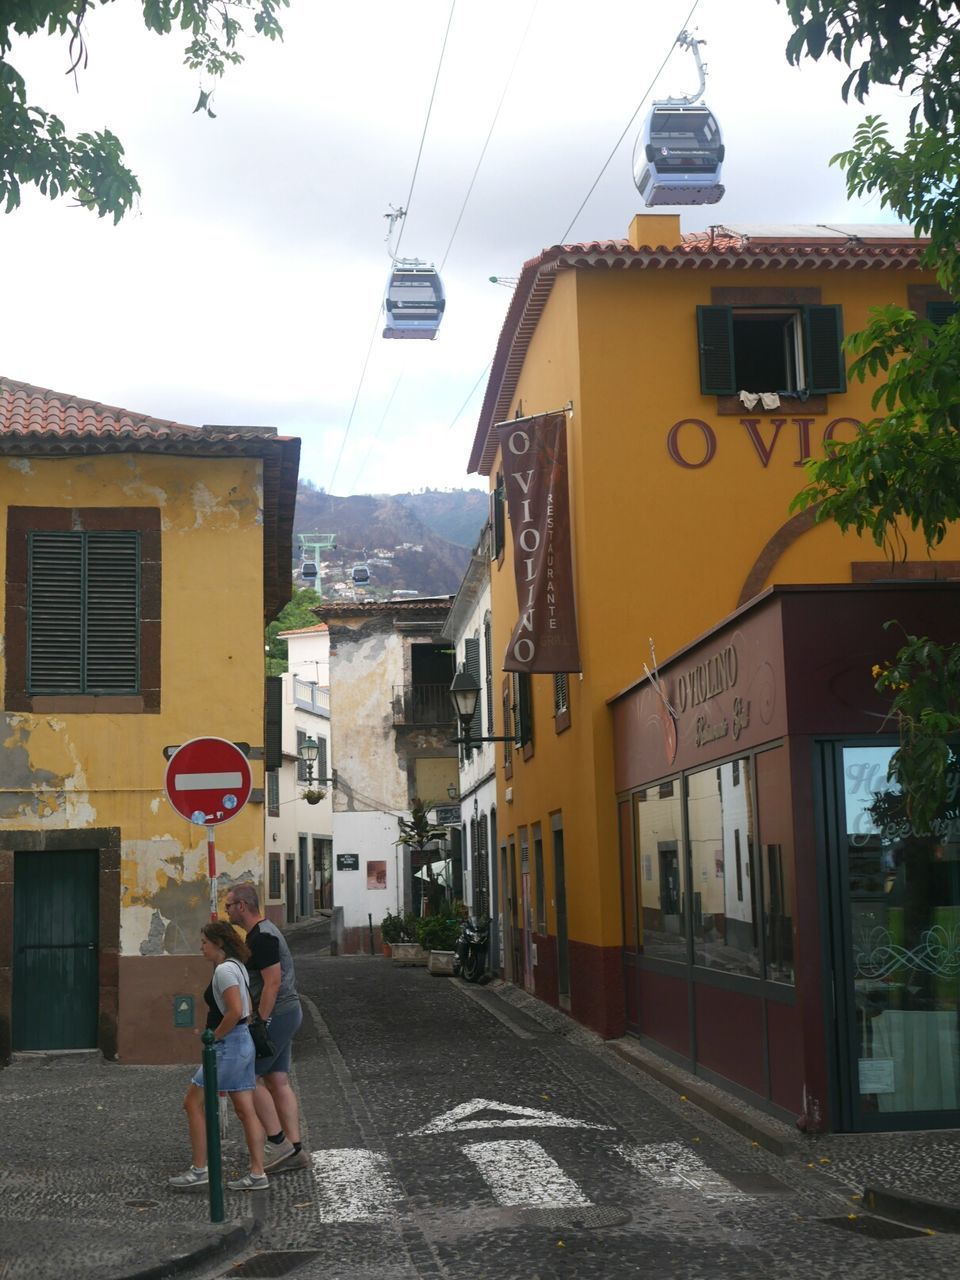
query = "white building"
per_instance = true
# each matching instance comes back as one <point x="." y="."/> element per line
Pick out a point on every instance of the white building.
<point x="299" y="834"/>
<point x="390" y="674"/>
<point x="468" y="629"/>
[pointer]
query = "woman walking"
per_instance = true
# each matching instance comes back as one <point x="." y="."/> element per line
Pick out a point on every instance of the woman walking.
<point x="228" y="1002"/>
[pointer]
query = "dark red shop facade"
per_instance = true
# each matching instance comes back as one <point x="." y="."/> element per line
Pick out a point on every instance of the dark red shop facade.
<point x="787" y="934"/>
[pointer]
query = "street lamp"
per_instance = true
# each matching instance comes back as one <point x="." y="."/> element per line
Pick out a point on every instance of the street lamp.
<point x="309" y="751"/>
<point x="464" y="693"/>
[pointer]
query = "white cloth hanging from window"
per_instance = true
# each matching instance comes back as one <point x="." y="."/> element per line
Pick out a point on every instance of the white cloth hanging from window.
<point x="767" y="399"/>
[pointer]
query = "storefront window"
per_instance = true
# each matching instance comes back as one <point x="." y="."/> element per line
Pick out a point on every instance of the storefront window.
<point x="660" y="875"/>
<point x="723" y="876"/>
<point x="903" y="938"/>
<point x="776" y="858"/>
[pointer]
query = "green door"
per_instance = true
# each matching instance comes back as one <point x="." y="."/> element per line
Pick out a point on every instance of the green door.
<point x="55" y="952"/>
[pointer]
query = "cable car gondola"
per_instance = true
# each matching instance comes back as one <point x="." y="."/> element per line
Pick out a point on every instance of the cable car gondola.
<point x="680" y="152"/>
<point x="308" y="569"/>
<point x="361" y="573"/>
<point x="414" y="301"/>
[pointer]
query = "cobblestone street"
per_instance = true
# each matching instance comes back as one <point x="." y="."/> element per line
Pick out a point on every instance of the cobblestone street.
<point x="455" y="1135"/>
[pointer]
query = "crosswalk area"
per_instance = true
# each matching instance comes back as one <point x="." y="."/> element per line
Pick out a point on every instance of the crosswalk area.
<point x="356" y="1185"/>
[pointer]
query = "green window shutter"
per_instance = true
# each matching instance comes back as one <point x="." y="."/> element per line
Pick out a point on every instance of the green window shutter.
<point x="83" y="613"/>
<point x="472" y="666"/>
<point x="715" y="339"/>
<point x="112" y="657"/>
<point x="497" y="501"/>
<point x="301" y="763"/>
<point x="939" y="313"/>
<point x="488" y="663"/>
<point x="523" y="695"/>
<point x="322" y="771"/>
<point x="823" y="336"/>
<point x="55" y="613"/>
<point x="272" y="723"/>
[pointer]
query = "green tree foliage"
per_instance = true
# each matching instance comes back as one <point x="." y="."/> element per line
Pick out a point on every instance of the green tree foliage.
<point x="904" y="467"/>
<point x="416" y="832"/>
<point x="34" y="145"/>
<point x="299" y="612"/>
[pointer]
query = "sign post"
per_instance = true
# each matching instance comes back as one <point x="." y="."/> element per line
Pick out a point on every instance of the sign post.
<point x="208" y="781"/>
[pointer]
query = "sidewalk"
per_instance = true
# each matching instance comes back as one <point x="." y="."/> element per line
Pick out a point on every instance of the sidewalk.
<point x="910" y="1177"/>
<point x="85" y="1150"/>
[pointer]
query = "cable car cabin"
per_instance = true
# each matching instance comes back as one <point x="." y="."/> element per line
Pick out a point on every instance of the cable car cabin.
<point x="414" y="300"/>
<point x="679" y="156"/>
<point x="361" y="573"/>
<point x="308" y="569"/>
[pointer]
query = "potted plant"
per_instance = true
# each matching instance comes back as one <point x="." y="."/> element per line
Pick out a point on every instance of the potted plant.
<point x="408" y="950"/>
<point x="438" y="936"/>
<point x="391" y="931"/>
<point x="313" y="795"/>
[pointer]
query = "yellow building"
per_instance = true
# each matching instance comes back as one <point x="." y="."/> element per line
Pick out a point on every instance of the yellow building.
<point x="142" y="558"/>
<point x="679" y="490"/>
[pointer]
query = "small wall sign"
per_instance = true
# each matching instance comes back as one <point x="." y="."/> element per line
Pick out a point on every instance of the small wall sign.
<point x="348" y="862"/>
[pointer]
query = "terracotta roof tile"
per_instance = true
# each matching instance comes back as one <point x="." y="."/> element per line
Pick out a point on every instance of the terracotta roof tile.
<point x="37" y="421"/>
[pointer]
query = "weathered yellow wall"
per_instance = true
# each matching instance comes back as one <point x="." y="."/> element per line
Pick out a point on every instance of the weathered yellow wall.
<point x="660" y="551"/>
<point x="105" y="770"/>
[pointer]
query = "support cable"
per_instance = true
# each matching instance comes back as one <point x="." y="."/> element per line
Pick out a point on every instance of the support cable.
<point x="629" y="124"/>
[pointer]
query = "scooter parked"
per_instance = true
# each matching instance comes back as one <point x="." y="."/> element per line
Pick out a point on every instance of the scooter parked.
<point x="470" y="960"/>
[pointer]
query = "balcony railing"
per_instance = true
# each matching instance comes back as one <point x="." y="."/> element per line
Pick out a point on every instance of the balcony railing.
<point x="311" y="697"/>
<point x="422" y="704"/>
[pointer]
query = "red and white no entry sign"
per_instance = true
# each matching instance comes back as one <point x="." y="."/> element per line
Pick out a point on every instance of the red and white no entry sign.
<point x="208" y="781"/>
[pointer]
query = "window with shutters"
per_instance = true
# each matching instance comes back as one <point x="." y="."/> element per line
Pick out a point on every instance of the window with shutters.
<point x="794" y="351"/>
<point x="488" y="669"/>
<point x="939" y="313"/>
<point x="471" y="663"/>
<point x="523" y="712"/>
<point x="273" y="793"/>
<point x="561" y="701"/>
<point x="498" y="518"/>
<point x="83" y="609"/>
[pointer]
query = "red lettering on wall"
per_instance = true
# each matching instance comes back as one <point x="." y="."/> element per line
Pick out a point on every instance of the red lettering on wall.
<point x="832" y="426"/>
<point x="803" y="433"/>
<point x="756" y="439"/>
<point x="673" y="443"/>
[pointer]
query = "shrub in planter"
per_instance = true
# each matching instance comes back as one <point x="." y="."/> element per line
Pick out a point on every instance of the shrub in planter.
<point x="438" y="933"/>
<point x="391" y="928"/>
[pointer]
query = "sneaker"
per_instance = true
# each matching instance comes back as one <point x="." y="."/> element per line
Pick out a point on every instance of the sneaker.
<point x="192" y="1178"/>
<point x="250" y="1182"/>
<point x="274" y="1152"/>
<point x="298" y="1160"/>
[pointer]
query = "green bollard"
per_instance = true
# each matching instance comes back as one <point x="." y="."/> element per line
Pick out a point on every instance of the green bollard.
<point x="211" y="1109"/>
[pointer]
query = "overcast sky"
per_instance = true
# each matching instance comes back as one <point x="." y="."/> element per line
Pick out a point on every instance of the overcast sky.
<point x="246" y="286"/>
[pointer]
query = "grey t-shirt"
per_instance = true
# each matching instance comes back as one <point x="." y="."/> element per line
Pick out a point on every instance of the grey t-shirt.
<point x="268" y="946"/>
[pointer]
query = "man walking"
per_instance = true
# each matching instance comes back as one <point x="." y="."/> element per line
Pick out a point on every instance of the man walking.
<point x="274" y="994"/>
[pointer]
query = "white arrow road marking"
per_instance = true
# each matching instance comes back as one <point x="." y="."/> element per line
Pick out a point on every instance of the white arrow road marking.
<point x="506" y="1117"/>
<point x="206" y="781"/>
<point x="521" y="1173"/>
<point x="671" y="1164"/>
<point x="355" y="1185"/>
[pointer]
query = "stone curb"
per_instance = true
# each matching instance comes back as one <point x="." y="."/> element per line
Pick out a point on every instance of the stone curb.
<point x="913" y="1210"/>
<point x="228" y="1241"/>
<point x="747" y="1122"/>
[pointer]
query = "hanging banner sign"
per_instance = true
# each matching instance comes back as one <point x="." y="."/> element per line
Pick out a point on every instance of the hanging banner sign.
<point x="534" y="452"/>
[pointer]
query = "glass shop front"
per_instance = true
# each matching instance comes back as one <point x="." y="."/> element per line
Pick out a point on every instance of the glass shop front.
<point x="787" y="935"/>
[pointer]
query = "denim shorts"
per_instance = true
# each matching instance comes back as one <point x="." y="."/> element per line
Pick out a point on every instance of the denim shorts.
<point x="235" y="1057"/>
<point x="283" y="1027"/>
